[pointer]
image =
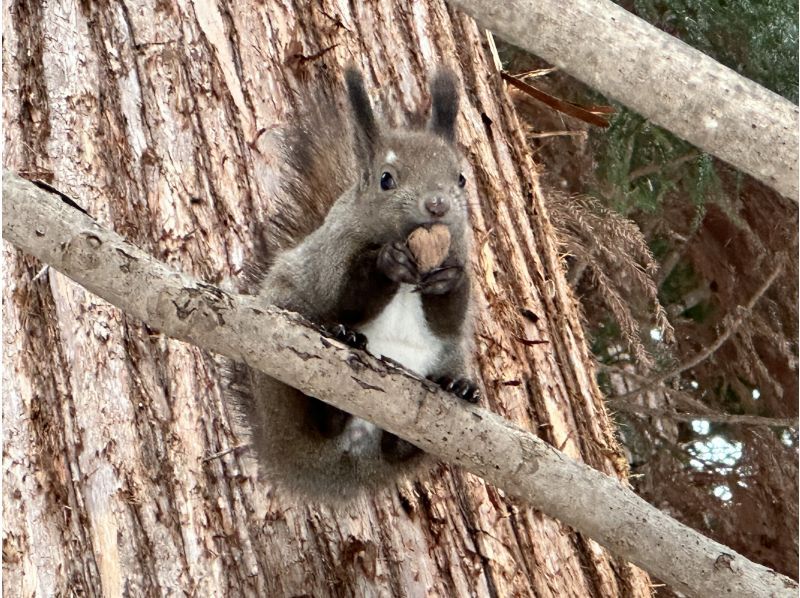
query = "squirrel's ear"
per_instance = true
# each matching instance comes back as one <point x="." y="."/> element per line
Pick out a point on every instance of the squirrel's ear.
<point x="444" y="104"/>
<point x="366" y="129"/>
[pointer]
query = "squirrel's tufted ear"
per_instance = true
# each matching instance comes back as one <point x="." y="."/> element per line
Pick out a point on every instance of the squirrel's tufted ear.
<point x="444" y="104"/>
<point x="364" y="124"/>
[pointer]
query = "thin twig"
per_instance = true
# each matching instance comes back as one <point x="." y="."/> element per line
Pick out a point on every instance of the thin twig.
<point x="41" y="273"/>
<point x="653" y="168"/>
<point x="594" y="115"/>
<point x="722" y="418"/>
<point x="713" y="347"/>
<point x="686" y="401"/>
<point x="683" y="399"/>
<point x="223" y="453"/>
<point x="498" y="64"/>
<point x="545" y="134"/>
<point x="536" y="73"/>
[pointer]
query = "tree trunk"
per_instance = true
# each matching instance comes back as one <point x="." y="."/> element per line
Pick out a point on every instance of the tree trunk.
<point x="160" y="116"/>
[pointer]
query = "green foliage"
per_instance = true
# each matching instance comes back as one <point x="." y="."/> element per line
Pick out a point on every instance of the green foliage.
<point x="756" y="38"/>
<point x="665" y="185"/>
<point x="639" y="164"/>
<point x="660" y="249"/>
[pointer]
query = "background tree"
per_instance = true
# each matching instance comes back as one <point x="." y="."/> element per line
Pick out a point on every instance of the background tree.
<point x="722" y="266"/>
<point x="118" y="473"/>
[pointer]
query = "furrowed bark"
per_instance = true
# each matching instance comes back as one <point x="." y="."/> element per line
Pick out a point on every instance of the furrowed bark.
<point x="658" y="76"/>
<point x="43" y="224"/>
<point x="160" y="116"/>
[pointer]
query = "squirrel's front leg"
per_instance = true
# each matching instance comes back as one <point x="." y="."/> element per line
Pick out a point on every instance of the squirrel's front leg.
<point x="346" y="335"/>
<point x="445" y="292"/>
<point x="397" y="263"/>
<point x="442" y="280"/>
<point x="366" y="287"/>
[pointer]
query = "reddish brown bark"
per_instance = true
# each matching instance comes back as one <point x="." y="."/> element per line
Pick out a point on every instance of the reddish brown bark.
<point x="160" y="115"/>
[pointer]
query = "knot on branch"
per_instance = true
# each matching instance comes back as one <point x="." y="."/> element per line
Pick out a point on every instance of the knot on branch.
<point x="81" y="251"/>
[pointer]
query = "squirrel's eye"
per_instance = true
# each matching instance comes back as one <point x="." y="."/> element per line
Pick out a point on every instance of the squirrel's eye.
<point x="461" y="180"/>
<point x="387" y="181"/>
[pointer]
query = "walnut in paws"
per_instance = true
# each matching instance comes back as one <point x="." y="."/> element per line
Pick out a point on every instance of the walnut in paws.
<point x="429" y="246"/>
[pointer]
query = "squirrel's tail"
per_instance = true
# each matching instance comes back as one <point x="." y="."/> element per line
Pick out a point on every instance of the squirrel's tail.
<point x="318" y="167"/>
<point x="294" y="456"/>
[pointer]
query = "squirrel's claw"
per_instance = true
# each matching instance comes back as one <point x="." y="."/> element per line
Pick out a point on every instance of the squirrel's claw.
<point x="349" y="337"/>
<point x="464" y="389"/>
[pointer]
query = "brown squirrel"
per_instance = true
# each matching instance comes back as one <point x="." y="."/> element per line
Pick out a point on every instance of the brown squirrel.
<point x="339" y="256"/>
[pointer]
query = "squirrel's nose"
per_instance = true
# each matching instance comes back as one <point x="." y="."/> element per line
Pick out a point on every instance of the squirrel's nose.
<point x="437" y="205"/>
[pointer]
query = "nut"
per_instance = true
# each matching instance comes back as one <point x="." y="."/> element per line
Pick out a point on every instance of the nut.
<point x="429" y="246"/>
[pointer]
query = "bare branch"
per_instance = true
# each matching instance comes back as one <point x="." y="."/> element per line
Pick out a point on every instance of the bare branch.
<point x="282" y="345"/>
<point x="654" y="168"/>
<point x="658" y="76"/>
<point x="722" y="418"/>
<point x="684" y="400"/>
<point x="220" y="454"/>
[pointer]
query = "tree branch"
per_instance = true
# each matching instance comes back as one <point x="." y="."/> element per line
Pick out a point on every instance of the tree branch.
<point x="658" y="76"/>
<point x="282" y="345"/>
<point x="686" y="401"/>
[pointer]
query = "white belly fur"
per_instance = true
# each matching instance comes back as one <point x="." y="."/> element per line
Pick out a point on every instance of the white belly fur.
<point x="400" y="332"/>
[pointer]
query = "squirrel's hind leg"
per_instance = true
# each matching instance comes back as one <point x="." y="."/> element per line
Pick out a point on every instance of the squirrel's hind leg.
<point x="463" y="388"/>
<point x="326" y="419"/>
<point x="397" y="450"/>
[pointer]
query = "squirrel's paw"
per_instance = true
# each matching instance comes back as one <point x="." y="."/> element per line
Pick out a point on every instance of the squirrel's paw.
<point x="461" y="387"/>
<point x="326" y="419"/>
<point x="397" y="450"/>
<point x="349" y="337"/>
<point x="397" y="263"/>
<point x="442" y="280"/>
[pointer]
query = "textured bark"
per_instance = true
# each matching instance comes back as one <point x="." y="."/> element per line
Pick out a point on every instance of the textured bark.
<point x="238" y="327"/>
<point x="658" y="76"/>
<point x="159" y="114"/>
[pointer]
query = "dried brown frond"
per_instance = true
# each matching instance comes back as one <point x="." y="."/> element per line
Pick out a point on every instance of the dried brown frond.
<point x="614" y="252"/>
<point x="621" y="311"/>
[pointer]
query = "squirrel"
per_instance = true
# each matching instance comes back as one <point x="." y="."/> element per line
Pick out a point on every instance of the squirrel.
<point x="340" y="256"/>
